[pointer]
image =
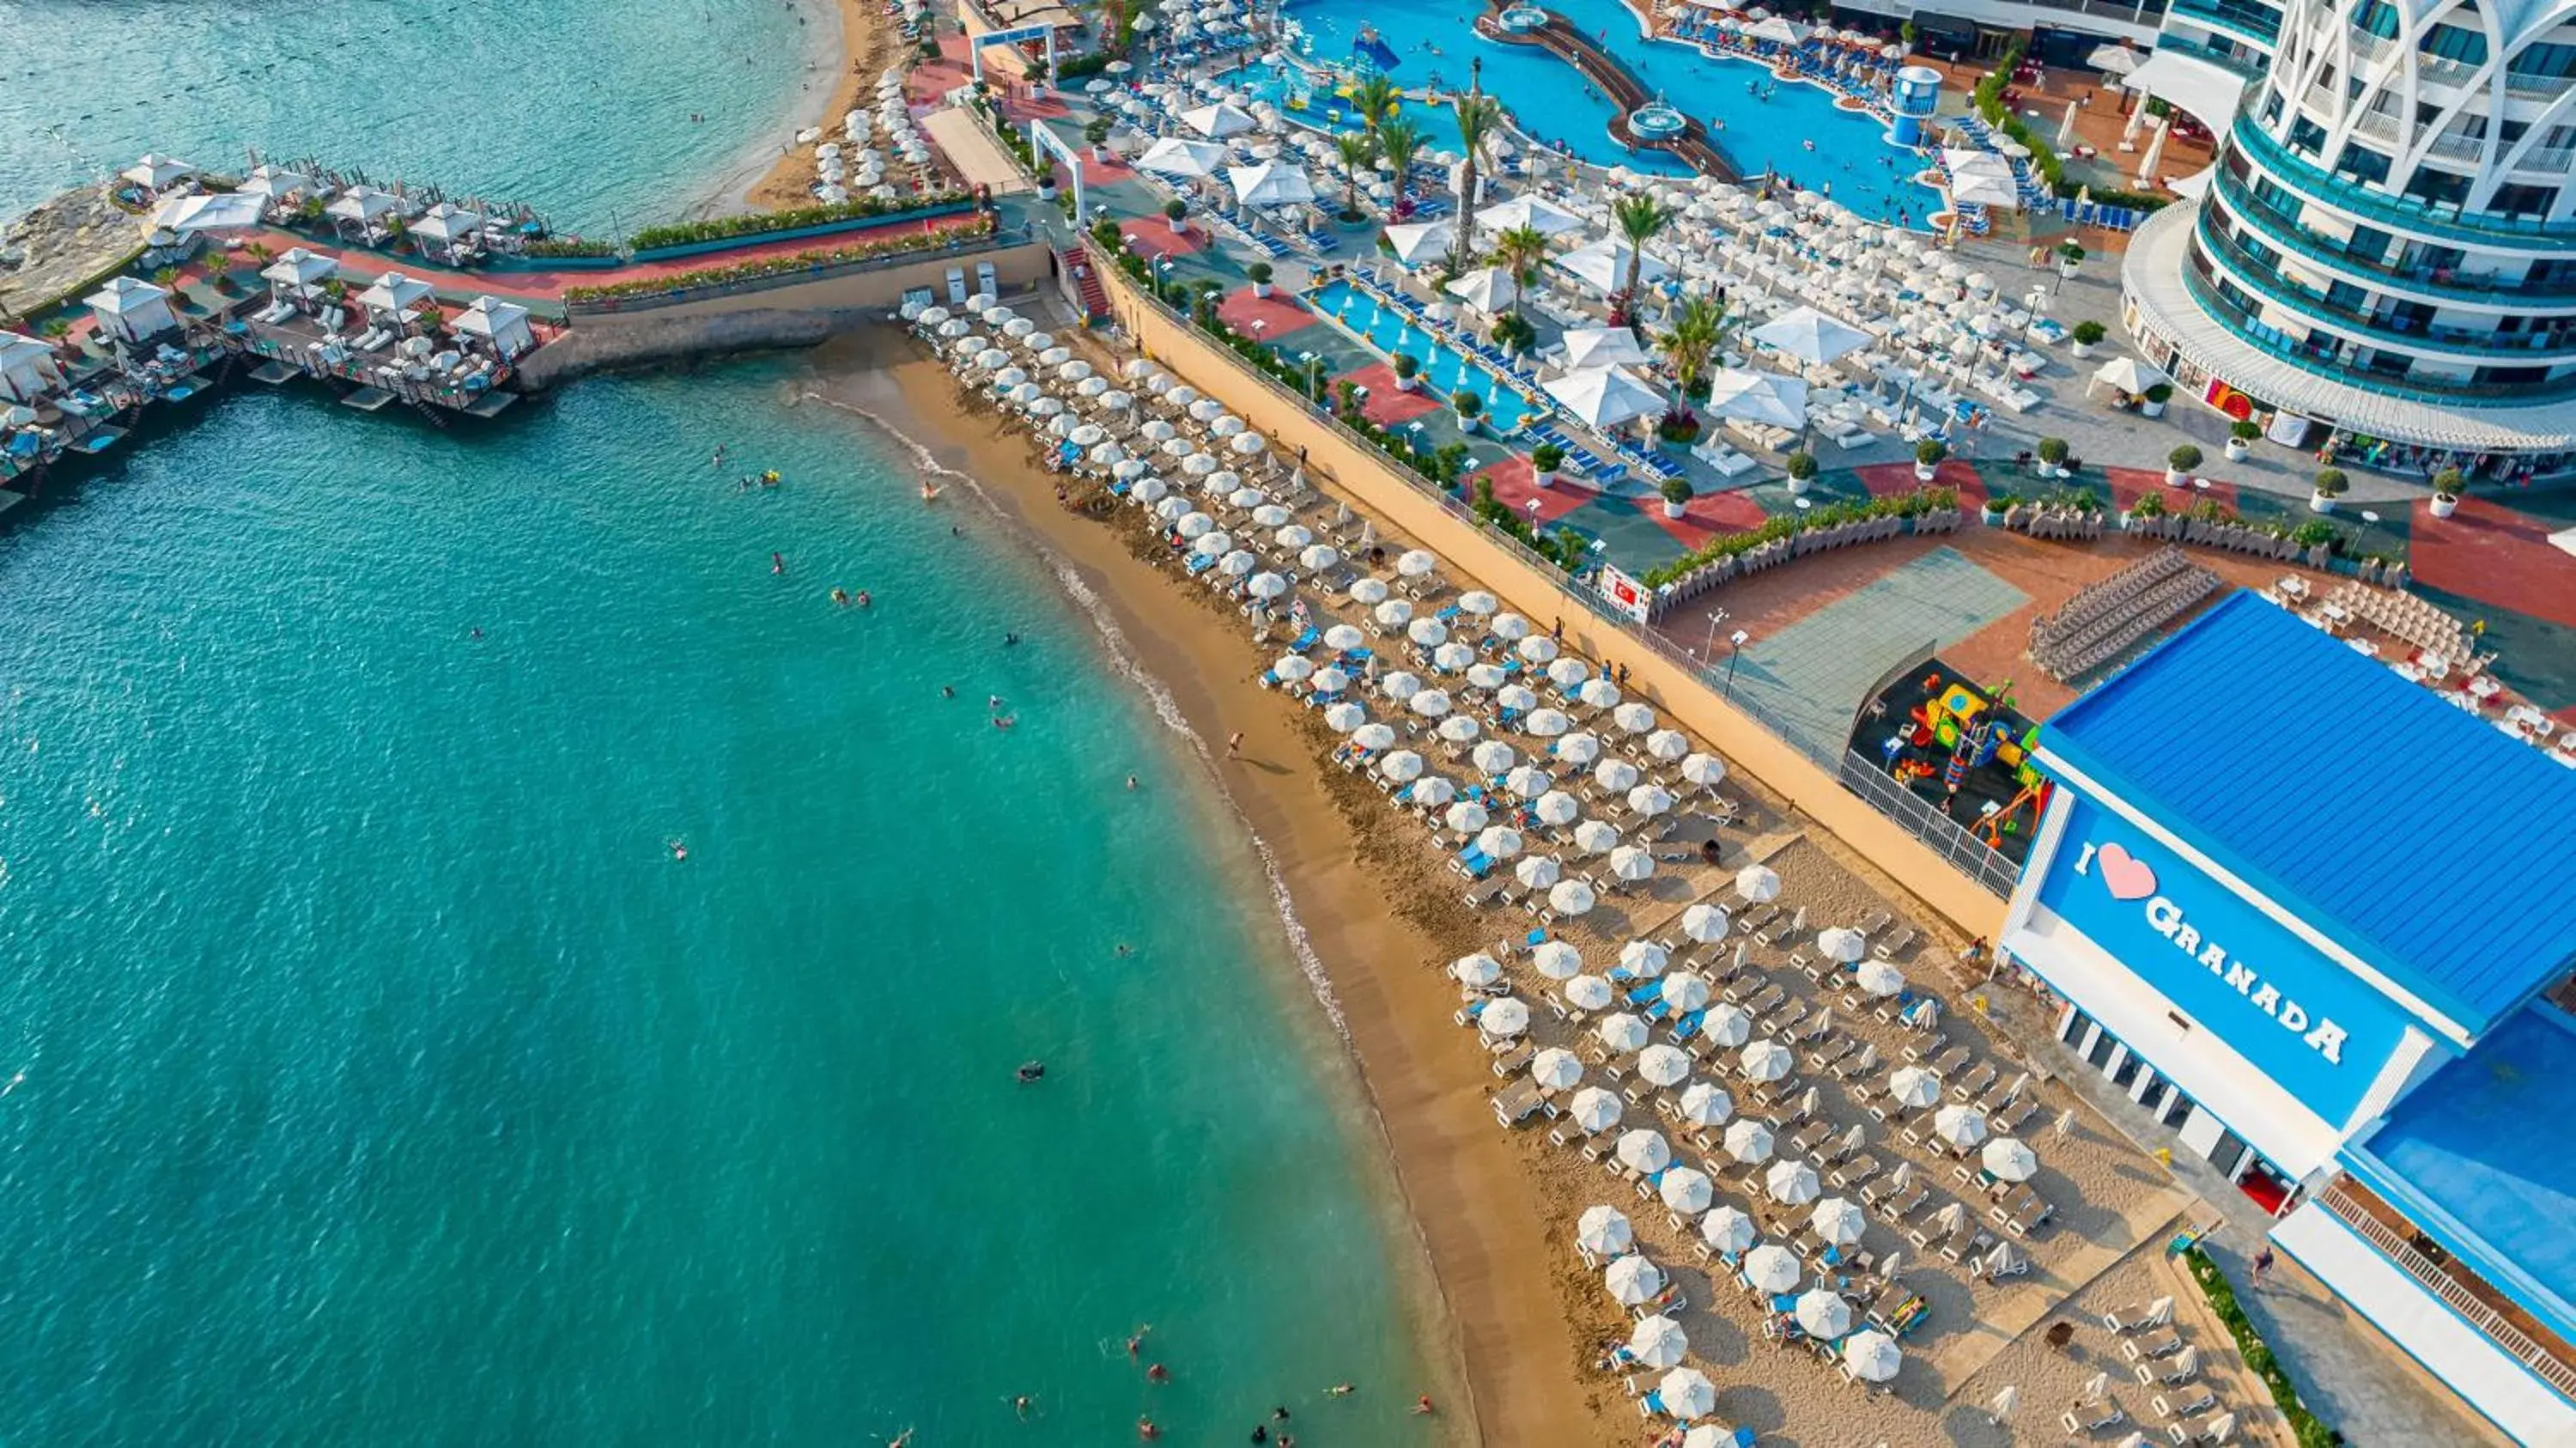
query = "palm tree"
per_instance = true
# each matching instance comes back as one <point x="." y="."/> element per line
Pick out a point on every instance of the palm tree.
<point x="1358" y="150"/>
<point x="1398" y="143"/>
<point x="1378" y="101"/>
<point x="1641" y="219"/>
<point x="1477" y="118"/>
<point x="1519" y="251"/>
<point x="1687" y="345"/>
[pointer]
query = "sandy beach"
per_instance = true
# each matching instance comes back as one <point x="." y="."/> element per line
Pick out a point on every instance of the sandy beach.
<point x="1463" y="1181"/>
<point x="867" y="45"/>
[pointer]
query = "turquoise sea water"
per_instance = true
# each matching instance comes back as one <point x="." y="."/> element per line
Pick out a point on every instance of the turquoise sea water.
<point x="380" y="1077"/>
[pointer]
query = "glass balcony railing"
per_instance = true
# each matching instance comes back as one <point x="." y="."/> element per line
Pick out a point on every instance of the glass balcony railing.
<point x="2247" y="328"/>
<point x="2524" y="349"/>
<point x="2277" y="228"/>
<point x="2404" y="214"/>
<point x="2248" y="68"/>
<point x="2258" y="24"/>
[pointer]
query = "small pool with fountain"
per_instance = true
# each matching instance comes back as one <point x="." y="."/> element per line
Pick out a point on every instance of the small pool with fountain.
<point x="1445" y="369"/>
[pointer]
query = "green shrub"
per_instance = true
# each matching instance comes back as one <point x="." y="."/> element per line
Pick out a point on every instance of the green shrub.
<point x="1930" y="451"/>
<point x="2052" y="450"/>
<point x="2304" y="1425"/>
<point x="2149" y="505"/>
<point x="1801" y="465"/>
<point x="2090" y="331"/>
<point x="760" y="223"/>
<point x="1547" y="457"/>
<point x="2448" y="483"/>
<point x="1406" y="365"/>
<point x="1467" y="404"/>
<point x="1904" y="505"/>
<point x="2161" y="392"/>
<point x="1678" y="490"/>
<point x="2331" y="482"/>
<point x="2183" y="459"/>
<point x="2244" y="431"/>
<point x="554" y="246"/>
<point x="1175" y="209"/>
<point x="1261" y="272"/>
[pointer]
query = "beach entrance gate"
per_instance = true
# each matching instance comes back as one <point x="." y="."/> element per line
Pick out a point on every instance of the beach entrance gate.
<point x="1045" y="142"/>
<point x="976" y="44"/>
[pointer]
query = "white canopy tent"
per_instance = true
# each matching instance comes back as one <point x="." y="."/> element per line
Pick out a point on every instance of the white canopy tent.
<point x="1603" y="266"/>
<point x="131" y="310"/>
<point x="1602" y="347"/>
<point x="1219" y="120"/>
<point x="27" y="368"/>
<point x="1604" y="397"/>
<point x="395" y="298"/>
<point x="155" y="172"/>
<point x="1180" y="156"/>
<point x="217" y="211"/>
<point x="1416" y="242"/>
<point x="1272" y="183"/>
<point x="1487" y="289"/>
<point x="299" y="273"/>
<point x="1810" y="335"/>
<point x="1762" y="397"/>
<point x="1544" y="217"/>
<point x="504" y="324"/>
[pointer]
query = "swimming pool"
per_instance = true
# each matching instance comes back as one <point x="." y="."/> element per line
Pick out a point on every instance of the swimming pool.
<point x="1433" y="41"/>
<point x="1444" y="369"/>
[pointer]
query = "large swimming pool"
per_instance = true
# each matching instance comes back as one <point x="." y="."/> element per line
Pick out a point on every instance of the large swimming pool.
<point x="1444" y="369"/>
<point x="1433" y="40"/>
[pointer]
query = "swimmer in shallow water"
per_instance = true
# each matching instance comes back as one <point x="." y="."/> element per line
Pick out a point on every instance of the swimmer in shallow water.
<point x="679" y="849"/>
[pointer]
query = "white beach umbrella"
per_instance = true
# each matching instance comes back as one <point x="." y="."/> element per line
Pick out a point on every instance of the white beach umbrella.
<point x="1431" y="791"/>
<point x="1555" y="1069"/>
<point x="1841" y="944"/>
<point x="1399" y="685"/>
<point x="1478" y="602"/>
<point x="1499" y="842"/>
<point x="1429" y="703"/>
<point x="1528" y="781"/>
<point x="1839" y="1222"/>
<point x="1645" y="1150"/>
<point x="1536" y="872"/>
<point x="1705" y="923"/>
<point x="1403" y="766"/>
<point x="1824" y="1314"/>
<point x="2007" y="1159"/>
<point x="1331" y="680"/>
<point x="1478" y="970"/>
<point x="1317" y="557"/>
<point x="1509" y="627"/>
<point x="1390" y="613"/>
<point x="1634" y="717"/>
<point x="1685" y="991"/>
<point x="1588" y="993"/>
<point x="1451" y="657"/>
<point x="1594" y="1109"/>
<point x="1666" y="745"/>
<point x="1729" y="1230"/>
<point x="1961" y="1126"/>
<point x="1430" y="633"/>
<point x="1343" y="718"/>
<point x="1373" y="737"/>
<point x="1556" y="808"/>
<point x="1515" y="697"/>
<point x="1506" y="1017"/>
<point x="1597" y="694"/>
<point x="1577" y="749"/>
<point x="1913" y="1087"/>
<point x="1614" y="775"/>
<point x="1663" y="1065"/>
<point x="1726" y="1025"/>
<point x="1771" y="1268"/>
<point x="1790" y="1183"/>
<point x="1568" y="673"/>
<point x="1593" y="837"/>
<point x="1293" y="668"/>
<point x="1213" y="545"/>
<point x="1633" y="1281"/>
<point x="1194" y="526"/>
<point x="1878" y="978"/>
<point x="1687" y="1190"/>
<point x="1705" y="1103"/>
<point x="1604" y="1229"/>
<point x="1342" y="638"/>
<point x="1052" y="356"/>
<point x="1621" y="1033"/>
<point x="1872" y="1356"/>
<point x="1045" y="406"/>
<point x="1765" y="1060"/>
<point x="1368" y="591"/>
<point x="1658" y="1342"/>
<point x="1493" y="757"/>
<point x="1545" y="724"/>
<point x="1570" y="898"/>
<point x="1749" y="1141"/>
<point x="1644" y="959"/>
<point x="1650" y="799"/>
<point x="1416" y="563"/>
<point x="1755" y="884"/>
<point x="1631" y="864"/>
<point x="1537" y="648"/>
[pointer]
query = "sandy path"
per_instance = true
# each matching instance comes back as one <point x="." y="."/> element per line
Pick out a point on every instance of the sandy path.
<point x="1463" y="1180"/>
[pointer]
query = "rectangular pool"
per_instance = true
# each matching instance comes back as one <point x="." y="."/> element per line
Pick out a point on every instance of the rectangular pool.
<point x="1445" y="370"/>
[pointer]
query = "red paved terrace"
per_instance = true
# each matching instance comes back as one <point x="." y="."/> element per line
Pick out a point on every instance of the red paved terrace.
<point x="2493" y="554"/>
<point x="1387" y="405"/>
<point x="1152" y="237"/>
<point x="1514" y="489"/>
<point x="1266" y="319"/>
<point x="1707" y="516"/>
<point x="1889" y="480"/>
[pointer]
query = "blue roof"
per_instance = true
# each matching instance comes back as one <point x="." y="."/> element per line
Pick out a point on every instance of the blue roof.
<point x="2457" y="1156"/>
<point x="2415" y="835"/>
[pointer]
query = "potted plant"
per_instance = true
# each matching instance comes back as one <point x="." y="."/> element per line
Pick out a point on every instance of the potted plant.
<point x="1997" y="508"/>
<point x="1802" y="471"/>
<point x="1679" y="426"/>
<point x="1545" y="459"/>
<point x="2087" y="334"/>
<point x="1677" y="496"/>
<point x="1467" y="405"/>
<point x="2145" y="512"/>
<point x="2152" y="402"/>
<point x="1261" y="273"/>
<point x="2070" y="255"/>
<point x="2448" y="485"/>
<point x="1097" y="134"/>
<point x="2052" y="457"/>
<point x="2240" y="440"/>
<point x="1927" y="458"/>
<point x="1406" y="367"/>
<point x="1177" y="211"/>
<point x="2179" y="463"/>
<point x="2329" y="485"/>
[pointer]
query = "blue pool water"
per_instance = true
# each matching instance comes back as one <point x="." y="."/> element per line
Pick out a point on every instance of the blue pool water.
<point x="1444" y="369"/>
<point x="1433" y="40"/>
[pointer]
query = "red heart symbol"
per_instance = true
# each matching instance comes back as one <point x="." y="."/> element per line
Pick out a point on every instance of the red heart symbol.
<point x="2125" y="875"/>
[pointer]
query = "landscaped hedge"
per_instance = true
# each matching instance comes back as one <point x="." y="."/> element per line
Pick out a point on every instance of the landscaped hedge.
<point x="1988" y="100"/>
<point x="2311" y="1432"/>
<point x="1773" y="530"/>
<point x="759" y="223"/>
<point x="768" y="266"/>
<point x="566" y="246"/>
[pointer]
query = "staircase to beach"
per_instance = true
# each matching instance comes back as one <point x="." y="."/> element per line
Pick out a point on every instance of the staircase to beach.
<point x="1085" y="285"/>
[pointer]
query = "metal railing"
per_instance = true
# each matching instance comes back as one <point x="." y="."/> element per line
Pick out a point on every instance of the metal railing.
<point x="2554" y="1370"/>
<point x="2485" y="345"/>
<point x="2416" y="217"/>
<point x="994" y="240"/>
<point x="2241" y="323"/>
<point x="2257" y="24"/>
<point x="1986" y="867"/>
<point x="2279" y="228"/>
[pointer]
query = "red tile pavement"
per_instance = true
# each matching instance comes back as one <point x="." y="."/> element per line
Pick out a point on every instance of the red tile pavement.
<point x="1885" y="480"/>
<point x="1096" y="172"/>
<point x="2130" y="484"/>
<point x="1388" y="405"/>
<point x="1268" y="319"/>
<point x="1708" y="515"/>
<point x="2493" y="554"/>
<point x="933" y="80"/>
<point x="1514" y="489"/>
<point x="1151" y="237"/>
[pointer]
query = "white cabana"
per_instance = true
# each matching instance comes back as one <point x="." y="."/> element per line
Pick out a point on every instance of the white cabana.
<point x="1416" y="242"/>
<point x="363" y="207"/>
<point x="27" y="368"/>
<point x="1603" y="266"/>
<point x="1764" y="397"/>
<point x="1219" y="120"/>
<point x="1777" y="30"/>
<point x="1271" y="183"/>
<point x="299" y="273"/>
<point x="2127" y="374"/>
<point x="1544" y="217"/>
<point x="157" y="172"/>
<point x="203" y="211"/>
<point x="1981" y="177"/>
<point x="276" y="183"/>
<point x="132" y="310"/>
<point x="1180" y="156"/>
<point x="503" y="324"/>
<point x="1602" y="347"/>
<point x="395" y="298"/>
<point x="451" y="227"/>
<point x="1604" y="397"/>
<point x="1810" y="335"/>
<point x="1488" y="289"/>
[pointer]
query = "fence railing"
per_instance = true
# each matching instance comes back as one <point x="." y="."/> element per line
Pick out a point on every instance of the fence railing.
<point x="2551" y="1368"/>
<point x="1987" y="867"/>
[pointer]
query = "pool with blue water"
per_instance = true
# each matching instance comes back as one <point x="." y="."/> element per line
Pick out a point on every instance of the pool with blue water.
<point x="1445" y="370"/>
<point x="1793" y="130"/>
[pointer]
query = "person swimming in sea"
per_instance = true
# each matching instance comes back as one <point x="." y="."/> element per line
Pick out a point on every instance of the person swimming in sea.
<point x="777" y="562"/>
<point x="679" y="849"/>
<point x="929" y="491"/>
<point x="841" y="596"/>
<point x="1032" y="1071"/>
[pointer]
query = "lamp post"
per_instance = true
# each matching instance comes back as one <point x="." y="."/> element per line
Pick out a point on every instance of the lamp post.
<point x="1708" y="649"/>
<point x="1735" y="643"/>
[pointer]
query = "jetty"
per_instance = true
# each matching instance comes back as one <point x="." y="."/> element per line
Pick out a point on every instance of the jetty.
<point x="1560" y="38"/>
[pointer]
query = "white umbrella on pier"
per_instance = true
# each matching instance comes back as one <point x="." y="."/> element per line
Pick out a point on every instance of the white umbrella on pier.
<point x="1604" y="1229"/>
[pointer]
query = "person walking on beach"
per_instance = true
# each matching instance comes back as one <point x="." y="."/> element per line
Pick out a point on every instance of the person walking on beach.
<point x="1234" y="746"/>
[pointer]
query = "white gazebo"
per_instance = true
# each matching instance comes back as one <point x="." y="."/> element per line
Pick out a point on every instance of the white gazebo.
<point x="363" y="208"/>
<point x="1180" y="156"/>
<point x="1762" y="397"/>
<point x="447" y="230"/>
<point x="1416" y="242"/>
<point x="1810" y="335"/>
<point x="1544" y="217"/>
<point x="1272" y="183"/>
<point x="1603" y="266"/>
<point x="27" y="368"/>
<point x="131" y="310"/>
<point x="395" y="300"/>
<point x="299" y="274"/>
<point x="1604" y="397"/>
<point x="1602" y="347"/>
<point x="275" y="185"/>
<point x="1488" y="289"/>
<point x="1218" y="121"/>
<point x="502" y="325"/>
<point x="157" y="173"/>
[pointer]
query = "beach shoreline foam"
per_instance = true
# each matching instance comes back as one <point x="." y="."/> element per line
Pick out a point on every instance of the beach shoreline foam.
<point x="1467" y="1195"/>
